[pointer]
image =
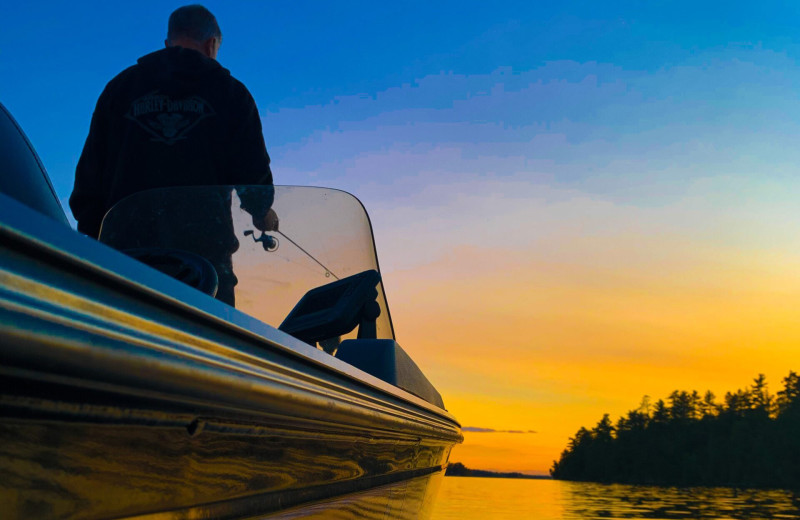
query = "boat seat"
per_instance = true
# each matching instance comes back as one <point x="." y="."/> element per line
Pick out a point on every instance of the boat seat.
<point x="190" y="268"/>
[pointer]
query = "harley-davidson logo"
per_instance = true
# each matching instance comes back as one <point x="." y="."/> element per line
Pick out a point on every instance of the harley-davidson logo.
<point x="168" y="120"/>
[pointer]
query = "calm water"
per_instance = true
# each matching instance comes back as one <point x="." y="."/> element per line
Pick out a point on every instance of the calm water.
<point x="488" y="499"/>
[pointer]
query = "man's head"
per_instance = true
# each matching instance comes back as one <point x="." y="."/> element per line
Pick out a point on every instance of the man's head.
<point x="194" y="27"/>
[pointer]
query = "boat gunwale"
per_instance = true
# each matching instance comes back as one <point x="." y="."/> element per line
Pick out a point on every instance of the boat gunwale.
<point x="24" y="229"/>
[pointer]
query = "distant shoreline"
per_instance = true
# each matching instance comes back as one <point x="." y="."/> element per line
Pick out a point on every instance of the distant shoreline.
<point x="691" y="440"/>
<point x="457" y="469"/>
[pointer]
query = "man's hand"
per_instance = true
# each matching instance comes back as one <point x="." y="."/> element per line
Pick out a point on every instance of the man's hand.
<point x="268" y="222"/>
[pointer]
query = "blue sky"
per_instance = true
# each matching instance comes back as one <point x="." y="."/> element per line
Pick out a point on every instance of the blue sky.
<point x="487" y="76"/>
<point x="575" y="203"/>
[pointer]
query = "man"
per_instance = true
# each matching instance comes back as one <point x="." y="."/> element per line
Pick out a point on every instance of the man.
<point x="176" y="118"/>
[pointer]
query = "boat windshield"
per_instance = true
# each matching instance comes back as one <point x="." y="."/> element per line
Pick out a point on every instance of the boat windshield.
<point x="269" y="245"/>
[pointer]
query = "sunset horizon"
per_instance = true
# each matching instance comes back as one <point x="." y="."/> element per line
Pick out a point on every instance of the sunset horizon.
<point x="574" y="206"/>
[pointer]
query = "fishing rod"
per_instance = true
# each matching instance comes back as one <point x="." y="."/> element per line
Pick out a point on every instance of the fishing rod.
<point x="270" y="244"/>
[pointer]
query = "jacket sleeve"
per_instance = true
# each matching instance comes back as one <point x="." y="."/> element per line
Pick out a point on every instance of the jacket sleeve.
<point x="249" y="160"/>
<point x="87" y="201"/>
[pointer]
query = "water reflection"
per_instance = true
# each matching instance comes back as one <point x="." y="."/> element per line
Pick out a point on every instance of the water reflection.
<point x="489" y="499"/>
<point x="617" y="501"/>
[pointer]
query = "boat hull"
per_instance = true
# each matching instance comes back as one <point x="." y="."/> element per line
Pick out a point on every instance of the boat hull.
<point x="121" y="400"/>
<point x="61" y="468"/>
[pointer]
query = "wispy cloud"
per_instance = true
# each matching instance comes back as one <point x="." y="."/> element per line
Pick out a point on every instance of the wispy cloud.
<point x="572" y="121"/>
<point x="478" y="429"/>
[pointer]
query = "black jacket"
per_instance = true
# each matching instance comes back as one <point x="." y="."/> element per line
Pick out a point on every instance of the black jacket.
<point x="177" y="118"/>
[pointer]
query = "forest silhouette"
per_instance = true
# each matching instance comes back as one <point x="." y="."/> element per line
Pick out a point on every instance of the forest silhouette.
<point x="752" y="439"/>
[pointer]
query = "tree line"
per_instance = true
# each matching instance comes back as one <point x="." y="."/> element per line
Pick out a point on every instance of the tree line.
<point x="751" y="439"/>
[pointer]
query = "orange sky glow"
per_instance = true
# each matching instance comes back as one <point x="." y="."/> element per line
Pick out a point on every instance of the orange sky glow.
<point x="548" y="335"/>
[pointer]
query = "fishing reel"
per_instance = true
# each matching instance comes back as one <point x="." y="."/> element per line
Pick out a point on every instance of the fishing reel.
<point x="268" y="242"/>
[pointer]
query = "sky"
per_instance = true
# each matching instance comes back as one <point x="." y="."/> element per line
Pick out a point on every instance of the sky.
<point x="575" y="204"/>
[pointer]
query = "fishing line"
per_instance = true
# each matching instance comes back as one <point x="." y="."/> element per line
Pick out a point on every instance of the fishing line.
<point x="307" y="254"/>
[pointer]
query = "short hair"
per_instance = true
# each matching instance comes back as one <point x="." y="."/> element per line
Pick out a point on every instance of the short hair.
<point x="193" y="21"/>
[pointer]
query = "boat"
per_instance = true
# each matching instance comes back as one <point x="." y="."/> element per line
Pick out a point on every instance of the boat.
<point x="131" y="390"/>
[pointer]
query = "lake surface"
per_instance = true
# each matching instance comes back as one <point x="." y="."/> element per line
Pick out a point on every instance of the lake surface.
<point x="465" y="498"/>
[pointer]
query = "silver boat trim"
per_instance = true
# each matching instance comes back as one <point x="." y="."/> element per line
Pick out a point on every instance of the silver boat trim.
<point x="61" y="306"/>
